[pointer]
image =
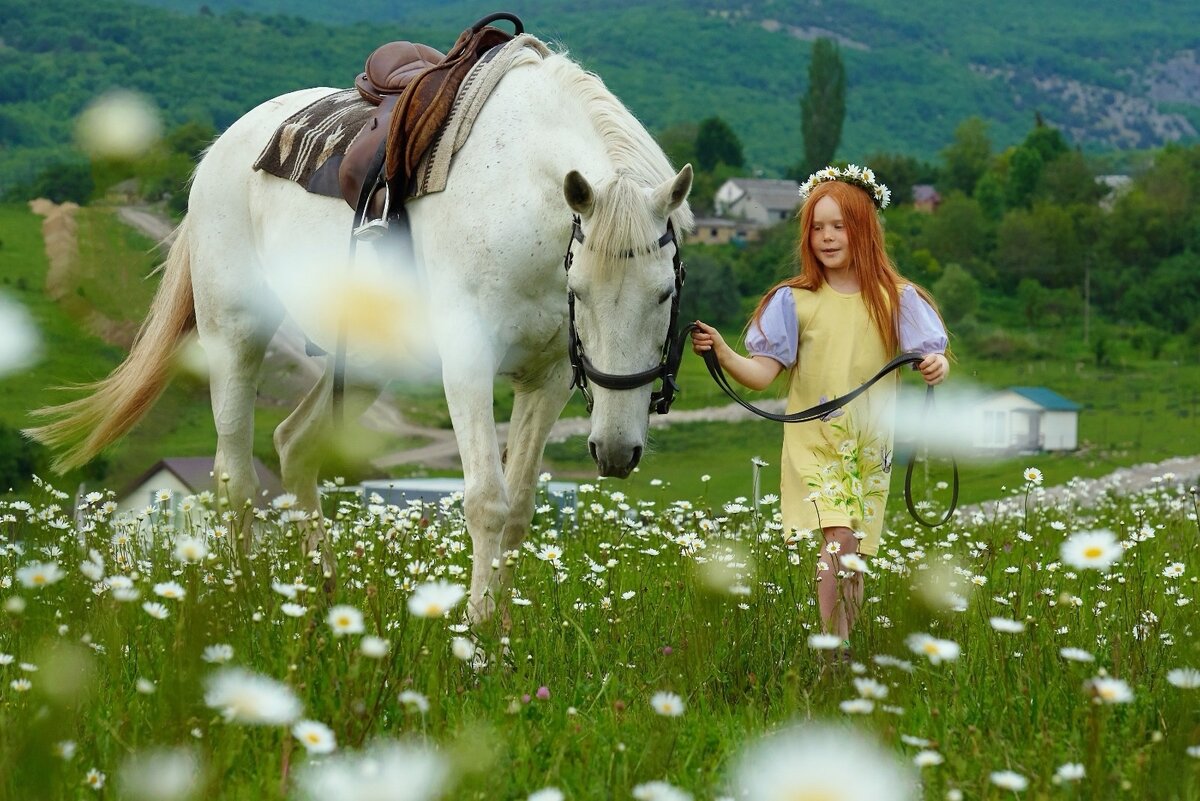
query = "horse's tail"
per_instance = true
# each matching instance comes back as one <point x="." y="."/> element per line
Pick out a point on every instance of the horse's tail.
<point x="80" y="429"/>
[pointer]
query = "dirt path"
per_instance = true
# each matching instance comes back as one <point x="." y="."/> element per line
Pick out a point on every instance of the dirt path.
<point x="150" y="222"/>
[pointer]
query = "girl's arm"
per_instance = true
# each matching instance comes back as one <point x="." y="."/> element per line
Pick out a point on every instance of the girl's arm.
<point x="755" y="372"/>
<point x="922" y="331"/>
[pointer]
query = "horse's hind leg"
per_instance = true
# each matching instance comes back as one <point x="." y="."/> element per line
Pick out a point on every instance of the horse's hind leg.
<point x="235" y="355"/>
<point x="535" y="409"/>
<point x="305" y="438"/>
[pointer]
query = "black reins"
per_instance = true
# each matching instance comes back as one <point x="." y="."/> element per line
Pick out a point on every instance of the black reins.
<point x="667" y="368"/>
<point x="583" y="371"/>
<point x="823" y="410"/>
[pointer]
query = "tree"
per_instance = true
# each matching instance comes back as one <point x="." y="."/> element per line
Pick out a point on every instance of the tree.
<point x="967" y="157"/>
<point x="711" y="292"/>
<point x="679" y="143"/>
<point x="716" y="143"/>
<point x="957" y="294"/>
<point x="63" y="181"/>
<point x="1024" y="173"/>
<point x="823" y="107"/>
<point x="901" y="173"/>
<point x="958" y="231"/>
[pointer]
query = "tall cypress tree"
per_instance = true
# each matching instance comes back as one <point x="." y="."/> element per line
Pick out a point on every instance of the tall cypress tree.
<point x="823" y="107"/>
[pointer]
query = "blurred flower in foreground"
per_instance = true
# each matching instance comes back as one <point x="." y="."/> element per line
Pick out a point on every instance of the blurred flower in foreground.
<point x="435" y="599"/>
<point x="39" y="574"/>
<point x="316" y="737"/>
<point x="821" y="761"/>
<point x="937" y="650"/>
<point x="245" y="697"/>
<point x="386" y="770"/>
<point x="19" y="340"/>
<point x="1184" y="678"/>
<point x="659" y="791"/>
<point x="118" y="125"/>
<point x="1009" y="780"/>
<point x="1109" y="691"/>
<point x="1097" y="550"/>
<point x="667" y="704"/>
<point x="160" y="775"/>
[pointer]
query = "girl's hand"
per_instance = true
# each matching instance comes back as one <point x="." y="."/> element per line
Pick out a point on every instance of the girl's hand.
<point x="706" y="338"/>
<point x="934" y="368"/>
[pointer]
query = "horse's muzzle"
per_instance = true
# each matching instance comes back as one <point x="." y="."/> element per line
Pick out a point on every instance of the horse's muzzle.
<point x="615" y="462"/>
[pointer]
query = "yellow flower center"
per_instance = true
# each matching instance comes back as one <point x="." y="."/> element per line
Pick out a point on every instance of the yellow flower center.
<point x="39" y="579"/>
<point x="931" y="648"/>
<point x="313" y="737"/>
<point x="1093" y="552"/>
<point x="343" y="622"/>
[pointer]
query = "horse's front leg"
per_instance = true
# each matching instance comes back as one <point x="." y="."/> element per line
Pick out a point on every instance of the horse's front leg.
<point x="535" y="410"/>
<point x="485" y="501"/>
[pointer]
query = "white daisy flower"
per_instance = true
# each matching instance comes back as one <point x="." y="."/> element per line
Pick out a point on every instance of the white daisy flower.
<point x="1033" y="475"/>
<point x="36" y="575"/>
<point x="462" y="648"/>
<point x="1009" y="780"/>
<point x="169" y="589"/>
<point x="1184" y="678"/>
<point x="165" y="774"/>
<point x="1069" y="772"/>
<point x="1096" y="550"/>
<point x="824" y="642"/>
<point x="245" y="697"/>
<point x="667" y="704"/>
<point x="190" y="549"/>
<point x="547" y="794"/>
<point x="293" y="610"/>
<point x="820" y="761"/>
<point x="1107" y="690"/>
<point x="1007" y="626"/>
<point x="414" y="701"/>
<point x="345" y="620"/>
<point x="316" y="737"/>
<point x="21" y="685"/>
<point x="927" y="759"/>
<point x="217" y="654"/>
<point x="94" y="779"/>
<point x="937" y="651"/>
<point x="1076" y="655"/>
<point x="435" y="599"/>
<point x="374" y="647"/>
<point x="386" y="770"/>
<point x="155" y="610"/>
<point x="659" y="791"/>
<point x="857" y="706"/>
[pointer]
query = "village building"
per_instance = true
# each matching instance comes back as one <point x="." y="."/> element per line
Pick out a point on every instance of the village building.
<point x="181" y="476"/>
<point x="1027" y="419"/>
<point x="763" y="201"/>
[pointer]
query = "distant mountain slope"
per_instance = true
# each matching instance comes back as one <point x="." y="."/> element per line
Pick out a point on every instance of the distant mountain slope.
<point x="1108" y="78"/>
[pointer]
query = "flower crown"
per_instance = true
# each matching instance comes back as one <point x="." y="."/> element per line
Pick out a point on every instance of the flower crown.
<point x="861" y="177"/>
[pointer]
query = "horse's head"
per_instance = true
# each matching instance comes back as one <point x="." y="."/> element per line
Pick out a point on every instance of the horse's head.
<point x="623" y="282"/>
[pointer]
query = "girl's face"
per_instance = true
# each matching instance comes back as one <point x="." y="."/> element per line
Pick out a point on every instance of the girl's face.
<point x="828" y="236"/>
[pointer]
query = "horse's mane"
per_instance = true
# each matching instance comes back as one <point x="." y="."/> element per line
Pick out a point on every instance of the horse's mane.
<point x="623" y="217"/>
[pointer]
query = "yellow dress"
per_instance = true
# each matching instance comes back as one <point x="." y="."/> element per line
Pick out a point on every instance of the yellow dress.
<point x="835" y="471"/>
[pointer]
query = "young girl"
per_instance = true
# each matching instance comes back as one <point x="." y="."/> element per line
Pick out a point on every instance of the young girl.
<point x="833" y="326"/>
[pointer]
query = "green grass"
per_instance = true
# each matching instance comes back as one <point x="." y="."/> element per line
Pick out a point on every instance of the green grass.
<point x="641" y="601"/>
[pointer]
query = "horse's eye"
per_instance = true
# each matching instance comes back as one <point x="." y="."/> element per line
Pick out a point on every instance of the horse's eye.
<point x="664" y="297"/>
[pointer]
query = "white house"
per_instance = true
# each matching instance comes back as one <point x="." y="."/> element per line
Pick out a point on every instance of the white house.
<point x="183" y="476"/>
<point x="1028" y="419"/>
<point x="763" y="201"/>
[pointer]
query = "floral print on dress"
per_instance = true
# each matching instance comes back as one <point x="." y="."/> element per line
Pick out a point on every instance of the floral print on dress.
<point x="853" y="473"/>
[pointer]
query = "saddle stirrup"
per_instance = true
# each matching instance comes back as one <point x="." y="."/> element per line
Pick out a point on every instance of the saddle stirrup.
<point x="370" y="230"/>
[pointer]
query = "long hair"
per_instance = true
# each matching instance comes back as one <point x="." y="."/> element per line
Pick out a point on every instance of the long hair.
<point x="879" y="280"/>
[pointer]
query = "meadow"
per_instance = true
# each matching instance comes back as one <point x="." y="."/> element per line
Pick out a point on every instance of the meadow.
<point x="655" y="646"/>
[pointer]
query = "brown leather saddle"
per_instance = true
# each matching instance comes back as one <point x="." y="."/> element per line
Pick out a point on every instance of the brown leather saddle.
<point x="414" y="87"/>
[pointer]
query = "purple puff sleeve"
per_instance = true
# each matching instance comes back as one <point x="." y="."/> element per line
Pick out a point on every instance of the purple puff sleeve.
<point x="921" y="330"/>
<point x="777" y="333"/>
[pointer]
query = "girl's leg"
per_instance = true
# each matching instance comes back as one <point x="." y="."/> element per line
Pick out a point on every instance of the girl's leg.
<point x="838" y="599"/>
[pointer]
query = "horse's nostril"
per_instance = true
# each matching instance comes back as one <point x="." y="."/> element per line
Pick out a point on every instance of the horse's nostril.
<point x="592" y="450"/>
<point x="637" y="457"/>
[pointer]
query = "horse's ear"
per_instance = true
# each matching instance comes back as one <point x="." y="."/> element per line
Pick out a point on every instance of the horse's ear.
<point x="669" y="195"/>
<point x="579" y="193"/>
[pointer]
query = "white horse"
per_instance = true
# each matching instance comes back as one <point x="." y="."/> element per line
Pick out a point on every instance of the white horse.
<point x="550" y="140"/>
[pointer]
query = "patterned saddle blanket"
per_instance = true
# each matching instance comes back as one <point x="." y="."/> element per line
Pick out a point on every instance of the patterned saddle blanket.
<point x="309" y="146"/>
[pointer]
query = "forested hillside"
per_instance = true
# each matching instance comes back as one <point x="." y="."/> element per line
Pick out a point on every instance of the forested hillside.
<point x="1107" y="79"/>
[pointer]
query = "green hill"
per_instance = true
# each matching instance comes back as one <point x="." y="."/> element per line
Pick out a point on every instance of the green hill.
<point x="1107" y="78"/>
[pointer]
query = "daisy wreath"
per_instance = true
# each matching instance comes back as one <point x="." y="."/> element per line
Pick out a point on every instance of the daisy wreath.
<point x="861" y="177"/>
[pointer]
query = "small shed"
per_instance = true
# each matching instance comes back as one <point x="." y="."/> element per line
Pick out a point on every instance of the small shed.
<point x="1028" y="419"/>
<point x="926" y="198"/>
<point x="187" y="475"/>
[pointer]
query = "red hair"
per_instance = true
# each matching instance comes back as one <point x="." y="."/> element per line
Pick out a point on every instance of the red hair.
<point x="879" y="280"/>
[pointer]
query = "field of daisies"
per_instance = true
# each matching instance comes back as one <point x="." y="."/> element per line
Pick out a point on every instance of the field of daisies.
<point x="652" y="648"/>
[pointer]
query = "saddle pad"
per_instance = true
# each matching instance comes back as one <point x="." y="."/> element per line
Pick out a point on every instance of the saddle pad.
<point x="309" y="146"/>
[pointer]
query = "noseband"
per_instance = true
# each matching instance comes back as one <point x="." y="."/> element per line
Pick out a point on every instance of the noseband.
<point x="584" y="371"/>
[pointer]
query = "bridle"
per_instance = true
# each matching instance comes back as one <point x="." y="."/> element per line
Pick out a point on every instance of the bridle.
<point x="584" y="371"/>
